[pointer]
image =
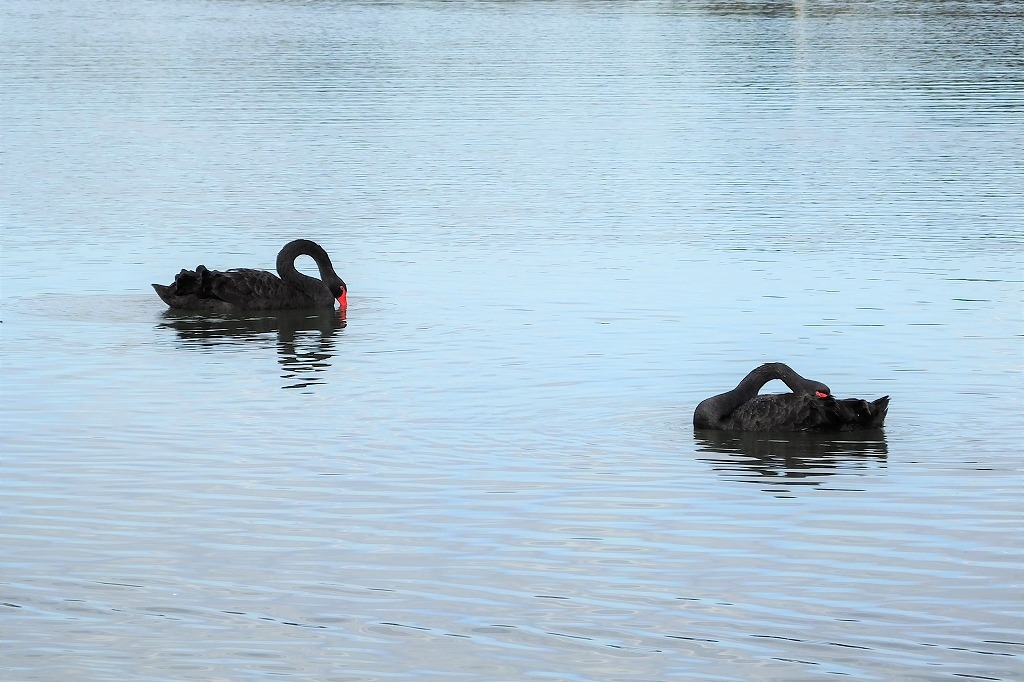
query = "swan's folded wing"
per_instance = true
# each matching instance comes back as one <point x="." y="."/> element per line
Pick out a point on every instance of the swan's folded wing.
<point x="785" y="412"/>
<point x="247" y="288"/>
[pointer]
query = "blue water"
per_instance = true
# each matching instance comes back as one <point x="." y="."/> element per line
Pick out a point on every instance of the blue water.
<point x="563" y="224"/>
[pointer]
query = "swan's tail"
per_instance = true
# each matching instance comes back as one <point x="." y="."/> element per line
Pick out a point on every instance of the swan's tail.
<point x="881" y="408"/>
<point x="164" y="292"/>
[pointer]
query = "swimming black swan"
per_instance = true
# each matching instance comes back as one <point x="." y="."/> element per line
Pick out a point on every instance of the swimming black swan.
<point x="810" y="407"/>
<point x="249" y="289"/>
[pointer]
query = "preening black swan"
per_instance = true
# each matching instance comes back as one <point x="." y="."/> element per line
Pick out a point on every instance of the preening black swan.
<point x="249" y="289"/>
<point x="810" y="407"/>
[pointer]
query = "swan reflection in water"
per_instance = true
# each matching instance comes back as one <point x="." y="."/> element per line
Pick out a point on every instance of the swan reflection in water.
<point x="792" y="459"/>
<point x="305" y="340"/>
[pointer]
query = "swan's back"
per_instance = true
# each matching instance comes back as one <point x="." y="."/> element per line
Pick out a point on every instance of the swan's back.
<point x="777" y="412"/>
<point x="802" y="412"/>
<point x="240" y="288"/>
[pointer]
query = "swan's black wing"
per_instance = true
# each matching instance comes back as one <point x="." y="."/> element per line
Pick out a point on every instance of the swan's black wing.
<point x="800" y="412"/>
<point x="780" y="412"/>
<point x="242" y="288"/>
<point x="251" y="289"/>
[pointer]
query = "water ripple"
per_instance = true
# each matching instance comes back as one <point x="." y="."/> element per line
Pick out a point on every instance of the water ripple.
<point x="563" y="224"/>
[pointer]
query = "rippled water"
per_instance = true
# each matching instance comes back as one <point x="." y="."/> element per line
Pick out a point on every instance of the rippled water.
<point x="563" y="224"/>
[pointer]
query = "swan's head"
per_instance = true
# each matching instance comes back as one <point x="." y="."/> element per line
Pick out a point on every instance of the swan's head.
<point x="339" y="290"/>
<point x="820" y="389"/>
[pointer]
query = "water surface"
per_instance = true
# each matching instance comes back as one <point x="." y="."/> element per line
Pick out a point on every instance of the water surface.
<point x="563" y="224"/>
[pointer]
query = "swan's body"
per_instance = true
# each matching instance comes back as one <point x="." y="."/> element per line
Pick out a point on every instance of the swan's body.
<point x="810" y="407"/>
<point x="249" y="289"/>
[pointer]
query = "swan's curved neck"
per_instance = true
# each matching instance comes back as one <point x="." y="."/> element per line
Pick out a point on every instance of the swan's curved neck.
<point x="712" y="410"/>
<point x="303" y="247"/>
<point x="752" y="383"/>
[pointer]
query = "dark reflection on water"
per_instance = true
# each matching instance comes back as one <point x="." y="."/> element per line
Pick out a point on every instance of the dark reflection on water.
<point x="791" y="459"/>
<point x="305" y="341"/>
<point x="798" y="9"/>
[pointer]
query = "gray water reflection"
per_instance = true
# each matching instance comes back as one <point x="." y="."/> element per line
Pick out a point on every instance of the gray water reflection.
<point x="792" y="460"/>
<point x="304" y="341"/>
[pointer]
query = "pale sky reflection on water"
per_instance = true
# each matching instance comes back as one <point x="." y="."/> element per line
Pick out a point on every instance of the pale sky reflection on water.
<point x="563" y="224"/>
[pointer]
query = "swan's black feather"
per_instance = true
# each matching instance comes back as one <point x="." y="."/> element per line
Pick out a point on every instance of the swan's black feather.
<point x="802" y="412"/>
<point x="863" y="414"/>
<point x="246" y="287"/>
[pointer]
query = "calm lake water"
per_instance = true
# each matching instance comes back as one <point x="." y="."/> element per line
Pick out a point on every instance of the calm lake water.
<point x="563" y="224"/>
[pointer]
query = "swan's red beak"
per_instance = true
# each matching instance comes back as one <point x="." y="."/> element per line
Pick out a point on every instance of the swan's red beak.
<point x="821" y="395"/>
<point x="343" y="300"/>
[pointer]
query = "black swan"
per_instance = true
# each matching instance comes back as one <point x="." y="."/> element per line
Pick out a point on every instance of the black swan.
<point x="810" y="407"/>
<point x="249" y="289"/>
